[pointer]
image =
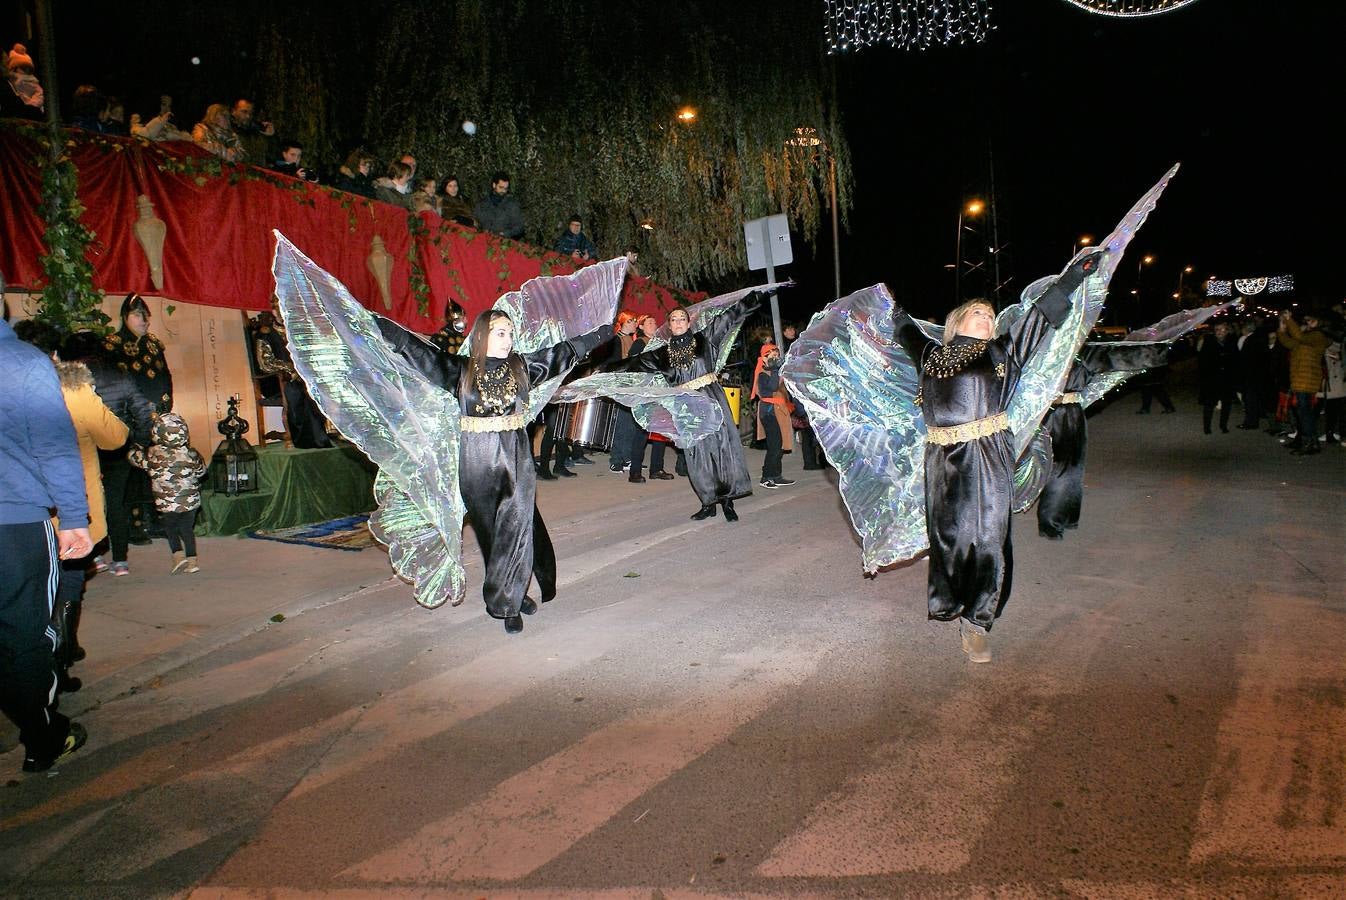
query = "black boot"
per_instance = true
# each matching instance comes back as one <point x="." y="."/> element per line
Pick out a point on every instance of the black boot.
<point x="563" y="472"/>
<point x="729" y="514"/>
<point x="544" y="472"/>
<point x="513" y="624"/>
<point x="704" y="512"/>
<point x="528" y="606"/>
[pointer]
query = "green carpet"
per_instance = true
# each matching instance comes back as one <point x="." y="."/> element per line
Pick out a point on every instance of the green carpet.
<point x="297" y="487"/>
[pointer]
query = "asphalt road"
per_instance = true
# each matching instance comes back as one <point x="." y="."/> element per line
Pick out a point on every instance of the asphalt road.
<point x="713" y="709"/>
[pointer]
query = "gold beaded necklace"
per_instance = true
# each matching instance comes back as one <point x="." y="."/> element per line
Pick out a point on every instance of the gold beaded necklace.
<point x="497" y="389"/>
<point x="947" y="360"/>
<point x="682" y="353"/>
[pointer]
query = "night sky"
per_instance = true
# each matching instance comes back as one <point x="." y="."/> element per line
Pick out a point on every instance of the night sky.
<point x="1082" y="113"/>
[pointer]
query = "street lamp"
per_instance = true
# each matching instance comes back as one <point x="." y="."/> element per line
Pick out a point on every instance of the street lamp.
<point x="1186" y="270"/>
<point x="971" y="208"/>
<point x="808" y="137"/>
<point x="687" y="115"/>
<point x="1083" y="241"/>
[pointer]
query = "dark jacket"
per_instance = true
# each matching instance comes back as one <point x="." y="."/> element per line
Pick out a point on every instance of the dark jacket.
<point x="568" y="243"/>
<point x="357" y="183"/>
<point x="1217" y="365"/>
<point x="119" y="393"/>
<point x="500" y="215"/>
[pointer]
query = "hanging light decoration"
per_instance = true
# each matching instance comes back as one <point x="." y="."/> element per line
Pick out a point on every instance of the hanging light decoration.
<point x="1250" y="286"/>
<point x="1130" y="8"/>
<point x="905" y="24"/>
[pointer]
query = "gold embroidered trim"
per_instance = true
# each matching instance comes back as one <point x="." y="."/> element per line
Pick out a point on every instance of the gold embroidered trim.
<point x="1068" y="397"/>
<point x="480" y="424"/>
<point x="968" y="431"/>
<point x="699" y="382"/>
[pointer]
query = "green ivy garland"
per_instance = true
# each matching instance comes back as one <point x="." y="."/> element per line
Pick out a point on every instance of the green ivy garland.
<point x="70" y="302"/>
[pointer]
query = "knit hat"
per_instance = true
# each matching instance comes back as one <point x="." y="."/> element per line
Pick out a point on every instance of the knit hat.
<point x="19" y="57"/>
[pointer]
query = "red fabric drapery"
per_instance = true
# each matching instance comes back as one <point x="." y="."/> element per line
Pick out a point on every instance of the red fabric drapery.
<point x="219" y="244"/>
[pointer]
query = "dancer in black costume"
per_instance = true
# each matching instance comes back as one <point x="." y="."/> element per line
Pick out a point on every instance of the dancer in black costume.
<point x="966" y="384"/>
<point x="715" y="464"/>
<point x="497" y="479"/>
<point x="1063" y="494"/>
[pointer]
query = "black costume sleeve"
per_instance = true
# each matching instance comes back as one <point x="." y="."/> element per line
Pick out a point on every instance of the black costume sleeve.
<point x="1049" y="312"/>
<point x="440" y="368"/>
<point x="552" y="361"/>
<point x="142" y="415"/>
<point x="907" y="333"/>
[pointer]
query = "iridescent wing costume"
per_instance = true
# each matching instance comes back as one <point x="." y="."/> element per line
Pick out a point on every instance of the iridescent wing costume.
<point x="859" y="390"/>
<point x="686" y="416"/>
<point x="405" y="423"/>
<point x="1164" y="332"/>
<point x="1057" y="454"/>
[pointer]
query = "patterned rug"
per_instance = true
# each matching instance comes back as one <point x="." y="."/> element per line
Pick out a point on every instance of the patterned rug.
<point x="351" y="533"/>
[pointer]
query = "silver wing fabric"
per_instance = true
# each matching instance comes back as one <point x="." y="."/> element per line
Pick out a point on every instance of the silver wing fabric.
<point x="550" y="309"/>
<point x="405" y="424"/>
<point x="684" y="416"/>
<point x="1045" y="375"/>
<point x="1165" y="331"/>
<point x="858" y="389"/>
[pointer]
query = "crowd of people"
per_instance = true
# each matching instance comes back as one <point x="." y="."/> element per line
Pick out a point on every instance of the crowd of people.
<point x="235" y="134"/>
<point x="87" y="433"/>
<point x="1285" y="371"/>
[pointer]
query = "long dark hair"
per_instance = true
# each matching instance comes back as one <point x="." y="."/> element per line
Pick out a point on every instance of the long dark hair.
<point x="476" y="355"/>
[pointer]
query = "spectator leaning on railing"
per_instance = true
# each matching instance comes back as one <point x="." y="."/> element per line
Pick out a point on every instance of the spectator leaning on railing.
<point x="500" y="213"/>
<point x="215" y="134"/>
<point x="354" y="175"/>
<point x="21" y="96"/>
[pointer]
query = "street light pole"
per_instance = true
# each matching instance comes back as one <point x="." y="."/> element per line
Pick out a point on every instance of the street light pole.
<point x="972" y="208"/>
<point x="836" y="238"/>
<point x="1187" y="270"/>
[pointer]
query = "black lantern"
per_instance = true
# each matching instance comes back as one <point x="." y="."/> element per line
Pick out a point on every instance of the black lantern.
<point x="233" y="467"/>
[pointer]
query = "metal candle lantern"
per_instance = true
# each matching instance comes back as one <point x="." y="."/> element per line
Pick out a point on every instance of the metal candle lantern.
<point x="233" y="467"/>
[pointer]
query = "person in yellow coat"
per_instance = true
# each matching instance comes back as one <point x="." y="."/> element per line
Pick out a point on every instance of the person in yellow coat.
<point x="96" y="428"/>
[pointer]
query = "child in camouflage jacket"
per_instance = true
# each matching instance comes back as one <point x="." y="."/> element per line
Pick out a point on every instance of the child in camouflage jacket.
<point x="175" y="471"/>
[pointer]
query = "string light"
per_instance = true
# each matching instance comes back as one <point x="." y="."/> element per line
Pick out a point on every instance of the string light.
<point x="905" y="24"/>
<point x="1129" y="8"/>
<point x="1248" y="287"/>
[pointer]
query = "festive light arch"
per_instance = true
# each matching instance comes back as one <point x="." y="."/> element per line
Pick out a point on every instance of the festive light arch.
<point x="1130" y="8"/>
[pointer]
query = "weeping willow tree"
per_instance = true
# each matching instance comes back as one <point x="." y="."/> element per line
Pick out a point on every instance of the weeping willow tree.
<point x="578" y="101"/>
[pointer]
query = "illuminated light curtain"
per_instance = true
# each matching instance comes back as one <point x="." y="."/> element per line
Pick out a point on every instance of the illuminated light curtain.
<point x="905" y="24"/>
